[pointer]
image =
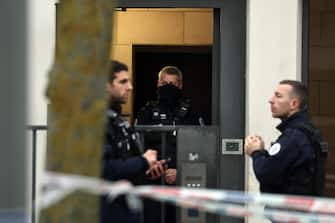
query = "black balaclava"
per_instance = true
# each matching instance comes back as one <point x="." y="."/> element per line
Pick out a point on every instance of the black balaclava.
<point x="168" y="94"/>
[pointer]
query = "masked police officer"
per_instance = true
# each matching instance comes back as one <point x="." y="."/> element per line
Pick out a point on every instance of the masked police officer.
<point x="122" y="158"/>
<point x="170" y="108"/>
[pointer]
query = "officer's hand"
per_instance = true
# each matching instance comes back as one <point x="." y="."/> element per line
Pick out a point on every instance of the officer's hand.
<point x="253" y="143"/>
<point x="261" y="141"/>
<point x="171" y="176"/>
<point x="157" y="170"/>
<point x="151" y="156"/>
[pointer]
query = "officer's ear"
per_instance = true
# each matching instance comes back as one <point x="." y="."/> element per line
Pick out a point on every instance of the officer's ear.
<point x="180" y="85"/>
<point x="295" y="103"/>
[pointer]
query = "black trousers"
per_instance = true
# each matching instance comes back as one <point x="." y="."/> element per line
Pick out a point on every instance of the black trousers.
<point x="152" y="212"/>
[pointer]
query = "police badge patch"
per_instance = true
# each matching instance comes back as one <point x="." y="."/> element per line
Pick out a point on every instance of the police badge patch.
<point x="274" y="149"/>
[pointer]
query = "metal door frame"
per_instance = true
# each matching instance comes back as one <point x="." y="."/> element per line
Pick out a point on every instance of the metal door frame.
<point x="228" y="77"/>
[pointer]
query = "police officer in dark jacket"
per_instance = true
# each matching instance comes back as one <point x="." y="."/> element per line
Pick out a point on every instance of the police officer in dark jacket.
<point x="288" y="166"/>
<point x="122" y="158"/>
<point x="171" y="108"/>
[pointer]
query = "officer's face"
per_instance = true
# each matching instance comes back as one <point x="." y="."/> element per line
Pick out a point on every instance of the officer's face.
<point x="169" y="79"/>
<point x="120" y="89"/>
<point x="283" y="103"/>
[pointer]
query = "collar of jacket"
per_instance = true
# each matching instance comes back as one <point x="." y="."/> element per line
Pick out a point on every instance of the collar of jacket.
<point x="115" y="107"/>
<point x="301" y="116"/>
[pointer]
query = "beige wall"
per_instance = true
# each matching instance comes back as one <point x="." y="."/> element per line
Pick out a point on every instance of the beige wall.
<point x="273" y="54"/>
<point x="322" y="77"/>
<point x="159" y="27"/>
<point x="41" y="42"/>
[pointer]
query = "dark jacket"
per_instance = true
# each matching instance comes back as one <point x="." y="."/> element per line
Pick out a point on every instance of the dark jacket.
<point x="121" y="160"/>
<point x="156" y="113"/>
<point x="287" y="167"/>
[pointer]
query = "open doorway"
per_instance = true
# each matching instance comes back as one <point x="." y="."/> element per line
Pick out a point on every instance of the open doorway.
<point x="195" y="62"/>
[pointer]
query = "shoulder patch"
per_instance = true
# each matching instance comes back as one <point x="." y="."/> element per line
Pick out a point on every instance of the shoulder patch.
<point x="111" y="113"/>
<point x="274" y="149"/>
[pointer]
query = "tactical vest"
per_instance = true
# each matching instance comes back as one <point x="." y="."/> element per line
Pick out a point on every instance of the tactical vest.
<point x="320" y="152"/>
<point x="123" y="141"/>
<point x="154" y="113"/>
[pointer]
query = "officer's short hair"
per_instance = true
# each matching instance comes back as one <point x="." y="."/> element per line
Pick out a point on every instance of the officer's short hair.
<point x="115" y="67"/>
<point x="299" y="90"/>
<point x="171" y="70"/>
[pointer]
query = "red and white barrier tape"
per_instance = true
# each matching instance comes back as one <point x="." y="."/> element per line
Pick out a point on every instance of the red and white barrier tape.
<point x="223" y="202"/>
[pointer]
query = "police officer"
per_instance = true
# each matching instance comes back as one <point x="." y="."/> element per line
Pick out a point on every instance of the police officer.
<point x="122" y="157"/>
<point x="288" y="166"/>
<point x="170" y="108"/>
